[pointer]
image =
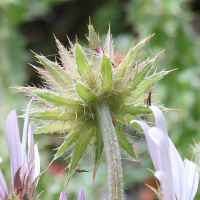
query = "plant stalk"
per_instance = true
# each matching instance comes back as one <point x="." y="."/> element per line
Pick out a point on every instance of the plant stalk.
<point x="112" y="151"/>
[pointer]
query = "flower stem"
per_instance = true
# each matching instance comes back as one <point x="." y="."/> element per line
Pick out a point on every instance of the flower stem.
<point x="112" y="151"/>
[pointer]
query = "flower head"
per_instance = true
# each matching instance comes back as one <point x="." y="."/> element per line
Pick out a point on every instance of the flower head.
<point x="25" y="169"/>
<point x="87" y="77"/>
<point x="179" y="180"/>
<point x="81" y="195"/>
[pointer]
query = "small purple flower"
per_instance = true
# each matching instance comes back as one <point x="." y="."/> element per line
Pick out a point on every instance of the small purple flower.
<point x="98" y="50"/>
<point x="179" y="180"/>
<point x="25" y="169"/>
<point x="81" y="195"/>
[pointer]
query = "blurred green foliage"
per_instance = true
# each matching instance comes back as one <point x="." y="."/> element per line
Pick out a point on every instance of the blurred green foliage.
<point x="130" y="20"/>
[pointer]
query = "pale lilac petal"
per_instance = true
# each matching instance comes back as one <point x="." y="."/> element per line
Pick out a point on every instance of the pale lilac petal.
<point x="13" y="143"/>
<point x="1" y="159"/>
<point x="163" y="154"/>
<point x="160" y="121"/>
<point x="3" y="186"/>
<point x="31" y="154"/>
<point x="81" y="195"/>
<point x="192" y="179"/>
<point x="63" y="196"/>
<point x="161" y="176"/>
<point x="37" y="161"/>
<point x="24" y="135"/>
<point x="151" y="147"/>
<point x="178" y="172"/>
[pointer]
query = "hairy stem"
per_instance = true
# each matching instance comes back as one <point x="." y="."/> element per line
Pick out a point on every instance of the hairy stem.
<point x="112" y="151"/>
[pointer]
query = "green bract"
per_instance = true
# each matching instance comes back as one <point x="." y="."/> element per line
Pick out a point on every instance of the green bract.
<point x="88" y="77"/>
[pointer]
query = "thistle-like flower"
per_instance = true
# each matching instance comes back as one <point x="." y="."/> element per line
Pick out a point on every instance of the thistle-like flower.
<point x="80" y="197"/>
<point x="90" y="96"/>
<point x="179" y="180"/>
<point x="25" y="169"/>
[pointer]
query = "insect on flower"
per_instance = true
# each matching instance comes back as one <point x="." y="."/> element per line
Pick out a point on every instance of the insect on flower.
<point x="80" y="170"/>
<point x="148" y="100"/>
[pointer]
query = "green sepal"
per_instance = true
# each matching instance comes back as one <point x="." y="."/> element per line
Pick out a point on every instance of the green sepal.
<point x="106" y="73"/>
<point x="98" y="151"/>
<point x="80" y="148"/>
<point x="85" y="93"/>
<point x="151" y="80"/>
<point x="93" y="38"/>
<point x="134" y="110"/>
<point x="59" y="74"/>
<point x="84" y="68"/>
<point x="70" y="139"/>
<point x="55" y="127"/>
<point x="58" y="100"/>
<point x="124" y="143"/>
<point x="54" y="114"/>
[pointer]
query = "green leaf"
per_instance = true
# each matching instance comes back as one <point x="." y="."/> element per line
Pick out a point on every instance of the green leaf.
<point x="58" y="100"/>
<point x="85" y="93"/>
<point x="134" y="110"/>
<point x="124" y="143"/>
<point x="151" y="80"/>
<point x="69" y="140"/>
<point x="106" y="73"/>
<point x="55" y="127"/>
<point x="54" y="114"/>
<point x="98" y="151"/>
<point x="93" y="38"/>
<point x="80" y="148"/>
<point x="84" y="68"/>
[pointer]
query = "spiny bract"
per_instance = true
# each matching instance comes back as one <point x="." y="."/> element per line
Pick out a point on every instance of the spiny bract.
<point x="87" y="77"/>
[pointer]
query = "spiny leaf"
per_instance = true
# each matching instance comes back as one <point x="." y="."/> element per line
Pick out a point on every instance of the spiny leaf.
<point x="68" y="60"/>
<point x="106" y="73"/>
<point x="93" y="38"/>
<point x="59" y="74"/>
<point x="143" y="69"/>
<point x="56" y="86"/>
<point x="130" y="58"/>
<point x="54" y="114"/>
<point x="94" y="43"/>
<point x="98" y="150"/>
<point x="134" y="110"/>
<point x="69" y="140"/>
<point x="85" y="93"/>
<point x="84" y="68"/>
<point x="58" y="100"/>
<point x="80" y="148"/>
<point x="124" y="143"/>
<point x="55" y="127"/>
<point x="109" y="47"/>
<point x="151" y="80"/>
